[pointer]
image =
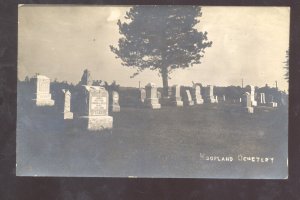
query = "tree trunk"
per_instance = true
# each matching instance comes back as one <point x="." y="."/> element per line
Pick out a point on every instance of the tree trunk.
<point x="164" y="74"/>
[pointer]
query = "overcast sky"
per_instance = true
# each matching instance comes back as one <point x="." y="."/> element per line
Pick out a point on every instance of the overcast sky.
<point x="61" y="41"/>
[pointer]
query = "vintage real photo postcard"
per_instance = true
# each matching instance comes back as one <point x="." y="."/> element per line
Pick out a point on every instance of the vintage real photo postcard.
<point x="153" y="91"/>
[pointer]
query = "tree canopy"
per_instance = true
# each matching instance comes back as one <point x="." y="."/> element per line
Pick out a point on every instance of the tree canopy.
<point x="161" y="38"/>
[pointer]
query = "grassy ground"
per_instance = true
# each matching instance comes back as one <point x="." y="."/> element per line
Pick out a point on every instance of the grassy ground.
<point x="156" y="143"/>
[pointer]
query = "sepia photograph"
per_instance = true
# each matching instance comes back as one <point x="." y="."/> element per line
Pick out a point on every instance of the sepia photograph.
<point x="153" y="91"/>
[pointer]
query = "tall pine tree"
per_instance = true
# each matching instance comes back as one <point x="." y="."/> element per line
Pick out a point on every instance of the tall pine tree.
<point x="161" y="38"/>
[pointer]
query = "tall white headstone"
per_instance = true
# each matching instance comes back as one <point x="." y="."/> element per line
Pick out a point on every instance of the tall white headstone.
<point x="246" y="103"/>
<point x="142" y="95"/>
<point x="114" y="105"/>
<point x="197" y="97"/>
<point x="42" y="96"/>
<point x="216" y="99"/>
<point x="175" y="96"/>
<point x="251" y="90"/>
<point x="67" y="114"/>
<point x="261" y="99"/>
<point x="223" y="98"/>
<point x="151" y="100"/>
<point x="187" y="98"/>
<point x="209" y="94"/>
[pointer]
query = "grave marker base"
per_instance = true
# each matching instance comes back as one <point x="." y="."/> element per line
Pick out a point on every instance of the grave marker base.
<point x="198" y="101"/>
<point x="248" y="110"/>
<point x="67" y="115"/>
<point x="44" y="102"/>
<point x="114" y="108"/>
<point x="95" y="123"/>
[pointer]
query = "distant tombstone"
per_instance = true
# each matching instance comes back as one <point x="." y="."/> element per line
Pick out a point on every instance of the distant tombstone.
<point x="223" y="98"/>
<point x="86" y="78"/>
<point x="271" y="102"/>
<point x="67" y="114"/>
<point x="93" y="113"/>
<point x="170" y="91"/>
<point x="216" y="99"/>
<point x="240" y="100"/>
<point x="151" y="100"/>
<point x="246" y="103"/>
<point x="175" y="96"/>
<point x="114" y="105"/>
<point x="197" y="97"/>
<point x="283" y="99"/>
<point x="142" y="95"/>
<point x="187" y="98"/>
<point x="42" y="96"/>
<point x="261" y="99"/>
<point x="159" y="95"/>
<point x="209" y="94"/>
<point x="251" y="90"/>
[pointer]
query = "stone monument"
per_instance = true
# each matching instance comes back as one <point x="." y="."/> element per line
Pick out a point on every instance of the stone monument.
<point x="209" y="94"/>
<point x="261" y="99"/>
<point x="175" y="96"/>
<point x="93" y="113"/>
<point x="187" y="98"/>
<point x="246" y="103"/>
<point x="159" y="96"/>
<point x="114" y="105"/>
<point x="271" y="102"/>
<point x="67" y="114"/>
<point x="216" y="99"/>
<point x="197" y="97"/>
<point x="251" y="90"/>
<point x="86" y="78"/>
<point x="42" y="96"/>
<point x="151" y="100"/>
<point x="223" y="98"/>
<point x="142" y="95"/>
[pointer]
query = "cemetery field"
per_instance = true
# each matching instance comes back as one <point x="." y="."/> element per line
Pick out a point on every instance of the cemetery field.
<point x="156" y="143"/>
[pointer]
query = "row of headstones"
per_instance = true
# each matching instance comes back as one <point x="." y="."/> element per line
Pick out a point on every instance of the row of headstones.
<point x="249" y="102"/>
<point x="94" y="103"/>
<point x="152" y="98"/>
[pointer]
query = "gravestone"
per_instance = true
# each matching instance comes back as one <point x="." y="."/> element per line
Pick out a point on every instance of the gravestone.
<point x="271" y="102"/>
<point x="216" y="99"/>
<point x="86" y="78"/>
<point x="159" y="95"/>
<point x="42" y="96"/>
<point x="142" y="95"/>
<point x="187" y="98"/>
<point x="261" y="99"/>
<point x="209" y="94"/>
<point x="67" y="114"/>
<point x="246" y="103"/>
<point x="251" y="90"/>
<point x="283" y="99"/>
<point x="151" y="100"/>
<point x="93" y="113"/>
<point x="197" y="97"/>
<point x="175" y="96"/>
<point x="223" y="98"/>
<point x="114" y="105"/>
